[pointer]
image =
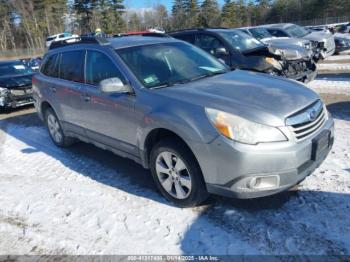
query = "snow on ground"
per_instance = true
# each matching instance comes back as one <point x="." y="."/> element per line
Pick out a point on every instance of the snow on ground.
<point x="335" y="85"/>
<point x="333" y="67"/>
<point x="84" y="200"/>
<point x="338" y="58"/>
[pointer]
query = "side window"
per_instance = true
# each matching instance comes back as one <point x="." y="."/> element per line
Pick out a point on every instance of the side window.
<point x="72" y="66"/>
<point x="99" y="67"/>
<point x="50" y="68"/>
<point x="188" y="38"/>
<point x="277" y="33"/>
<point x="208" y="43"/>
<point x="61" y="36"/>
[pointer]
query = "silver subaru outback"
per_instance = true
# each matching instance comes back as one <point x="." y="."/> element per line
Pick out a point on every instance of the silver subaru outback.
<point x="199" y="127"/>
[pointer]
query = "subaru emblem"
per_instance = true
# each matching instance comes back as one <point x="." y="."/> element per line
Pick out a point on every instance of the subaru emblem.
<point x="312" y="115"/>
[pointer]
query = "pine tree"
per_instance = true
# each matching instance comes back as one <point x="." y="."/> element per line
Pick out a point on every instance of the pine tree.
<point x="85" y="11"/>
<point x="209" y="14"/>
<point x="192" y="13"/>
<point x="229" y="14"/>
<point x="178" y="13"/>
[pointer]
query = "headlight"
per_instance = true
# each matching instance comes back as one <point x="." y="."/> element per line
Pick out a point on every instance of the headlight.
<point x="276" y="51"/>
<point x="273" y="62"/>
<point x="242" y="130"/>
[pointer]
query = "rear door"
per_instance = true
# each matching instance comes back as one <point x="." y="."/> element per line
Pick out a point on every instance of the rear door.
<point x="69" y="91"/>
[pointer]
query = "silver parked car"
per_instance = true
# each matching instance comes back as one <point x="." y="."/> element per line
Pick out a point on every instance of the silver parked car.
<point x="292" y="48"/>
<point x="325" y="41"/>
<point x="175" y="109"/>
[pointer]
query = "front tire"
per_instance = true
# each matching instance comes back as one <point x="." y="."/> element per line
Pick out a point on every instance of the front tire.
<point x="55" y="129"/>
<point x="177" y="173"/>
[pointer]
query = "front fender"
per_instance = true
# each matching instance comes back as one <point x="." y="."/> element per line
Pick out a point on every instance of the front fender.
<point x="195" y="128"/>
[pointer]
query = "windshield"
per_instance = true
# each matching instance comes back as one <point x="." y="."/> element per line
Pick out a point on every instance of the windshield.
<point x="14" y="68"/>
<point x="297" y="31"/>
<point x="240" y="40"/>
<point x="166" y="64"/>
<point x="260" y="33"/>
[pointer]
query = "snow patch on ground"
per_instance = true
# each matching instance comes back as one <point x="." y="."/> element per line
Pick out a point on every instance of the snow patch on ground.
<point x="338" y="58"/>
<point x="335" y="85"/>
<point x="62" y="201"/>
<point x="333" y="67"/>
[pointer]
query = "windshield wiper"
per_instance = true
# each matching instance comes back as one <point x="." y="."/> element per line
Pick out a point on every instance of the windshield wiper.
<point x="173" y="83"/>
<point x="208" y="75"/>
<point x="169" y="83"/>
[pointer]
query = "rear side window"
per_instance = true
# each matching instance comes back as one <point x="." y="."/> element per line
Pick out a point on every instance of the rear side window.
<point x="72" y="66"/>
<point x="208" y="43"/>
<point x="99" y="67"/>
<point x="277" y="33"/>
<point x="187" y="38"/>
<point x="50" y="68"/>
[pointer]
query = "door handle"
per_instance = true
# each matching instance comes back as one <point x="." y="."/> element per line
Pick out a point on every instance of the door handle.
<point x="53" y="89"/>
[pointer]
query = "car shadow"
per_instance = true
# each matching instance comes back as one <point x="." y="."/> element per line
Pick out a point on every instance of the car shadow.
<point x="83" y="158"/>
<point x="340" y="110"/>
<point x="289" y="223"/>
<point x="343" y="77"/>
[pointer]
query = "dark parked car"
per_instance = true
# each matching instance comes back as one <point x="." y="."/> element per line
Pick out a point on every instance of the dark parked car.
<point x="240" y="50"/>
<point x="170" y="106"/>
<point x="342" y="42"/>
<point x="15" y="84"/>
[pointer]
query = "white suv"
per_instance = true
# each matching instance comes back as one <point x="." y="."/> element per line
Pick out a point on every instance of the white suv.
<point x="59" y="37"/>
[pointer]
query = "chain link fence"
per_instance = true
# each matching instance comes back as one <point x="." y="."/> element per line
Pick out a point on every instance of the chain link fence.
<point x="324" y="21"/>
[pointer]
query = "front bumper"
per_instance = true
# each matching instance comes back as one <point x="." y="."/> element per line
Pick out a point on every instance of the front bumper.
<point x="300" y="70"/>
<point x="11" y="101"/>
<point x="233" y="165"/>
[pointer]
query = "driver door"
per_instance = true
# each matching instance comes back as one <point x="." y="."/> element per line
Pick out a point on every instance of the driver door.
<point x="109" y="117"/>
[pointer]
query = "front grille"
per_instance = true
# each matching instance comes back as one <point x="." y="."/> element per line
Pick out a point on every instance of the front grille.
<point x="307" y="122"/>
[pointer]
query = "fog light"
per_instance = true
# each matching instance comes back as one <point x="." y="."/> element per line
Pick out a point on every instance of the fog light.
<point x="264" y="182"/>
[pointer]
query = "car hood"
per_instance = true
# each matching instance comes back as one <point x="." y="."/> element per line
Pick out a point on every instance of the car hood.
<point x="13" y="81"/>
<point x="291" y="52"/>
<point x="284" y="41"/>
<point x="258" y="97"/>
<point x="318" y="36"/>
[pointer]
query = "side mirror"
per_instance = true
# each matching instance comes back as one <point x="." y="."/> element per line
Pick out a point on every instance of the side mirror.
<point x="115" y="85"/>
<point x="221" y="51"/>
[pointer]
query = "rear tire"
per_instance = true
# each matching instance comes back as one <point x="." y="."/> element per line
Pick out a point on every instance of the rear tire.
<point x="177" y="174"/>
<point x="55" y="130"/>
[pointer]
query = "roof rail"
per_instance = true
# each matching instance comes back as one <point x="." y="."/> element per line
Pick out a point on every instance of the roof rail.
<point x="79" y="40"/>
<point x="187" y="29"/>
<point x="152" y="34"/>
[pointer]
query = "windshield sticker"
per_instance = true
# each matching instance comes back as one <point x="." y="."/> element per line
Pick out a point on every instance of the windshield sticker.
<point x="18" y="67"/>
<point x="152" y="79"/>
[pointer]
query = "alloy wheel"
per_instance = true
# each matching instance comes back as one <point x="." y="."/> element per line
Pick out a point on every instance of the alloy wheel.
<point x="173" y="175"/>
<point x="54" y="128"/>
